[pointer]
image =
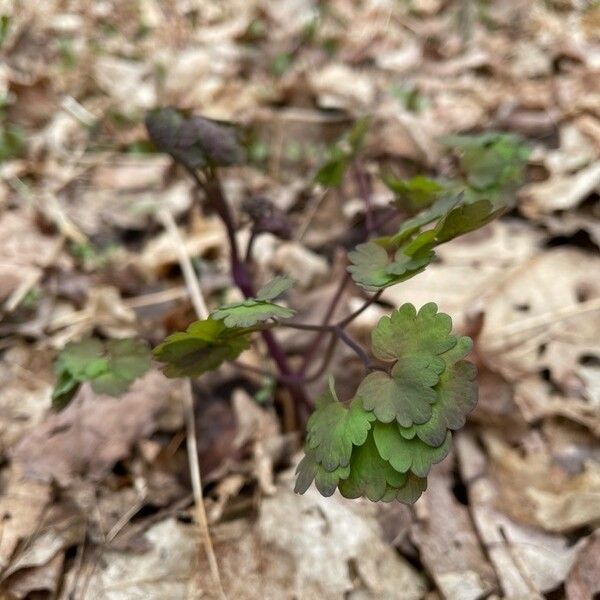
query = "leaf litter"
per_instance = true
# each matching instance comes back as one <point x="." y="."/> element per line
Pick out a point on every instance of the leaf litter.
<point x="93" y="499"/>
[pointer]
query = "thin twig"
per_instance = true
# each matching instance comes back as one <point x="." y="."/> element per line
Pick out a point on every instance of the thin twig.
<point x="316" y="343"/>
<point x="188" y="402"/>
<point x="250" y="246"/>
<point x="357" y="348"/>
<point x="347" y="320"/>
<point x="326" y="360"/>
<point x="313" y="208"/>
<point x="194" y="466"/>
<point x="186" y="264"/>
<point x="154" y="298"/>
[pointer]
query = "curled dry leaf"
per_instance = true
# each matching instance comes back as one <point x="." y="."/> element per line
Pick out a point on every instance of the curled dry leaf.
<point x="59" y="528"/>
<point x="94" y="432"/>
<point x="448" y="542"/>
<point x="22" y="505"/>
<point x="26" y="380"/>
<point x="545" y="315"/>
<point x="527" y="561"/>
<point x="104" y="309"/>
<point x="560" y="192"/>
<point x="322" y="535"/>
<point x="338" y="86"/>
<point x="24" y="253"/>
<point x="584" y="579"/>
<point x="43" y="579"/>
<point x="536" y="489"/>
<point x="166" y="570"/>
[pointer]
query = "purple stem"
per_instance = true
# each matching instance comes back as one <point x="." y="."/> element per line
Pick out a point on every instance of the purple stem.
<point x="241" y="277"/>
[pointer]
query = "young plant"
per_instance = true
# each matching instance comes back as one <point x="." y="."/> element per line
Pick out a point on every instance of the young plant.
<point x="418" y="386"/>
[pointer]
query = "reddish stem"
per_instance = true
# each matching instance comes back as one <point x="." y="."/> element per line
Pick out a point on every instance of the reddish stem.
<point x="316" y="343"/>
<point x="241" y="276"/>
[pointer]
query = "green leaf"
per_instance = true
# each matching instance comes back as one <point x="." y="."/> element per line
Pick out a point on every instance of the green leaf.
<point x="12" y="142"/>
<point x="415" y="341"/>
<point x="372" y="268"/>
<point x="407" y="333"/>
<point x="255" y="310"/>
<point x="333" y="429"/>
<point x="370" y="475"/>
<point x="250" y="312"/>
<point x="414" y="194"/>
<point x="356" y="135"/>
<point x="310" y="470"/>
<point x="126" y="361"/>
<point x="407" y="400"/>
<point x="493" y="162"/>
<point x="410" y="492"/>
<point x="331" y="173"/>
<point x="275" y="288"/>
<point x="405" y="265"/>
<point x="4" y="28"/>
<point x="83" y="360"/>
<point x="425" y="217"/>
<point x="465" y="218"/>
<point x="457" y="393"/>
<point x="202" y="347"/>
<point x="64" y="390"/>
<point x="369" y="266"/>
<point x="408" y="454"/>
<point x="110" y="366"/>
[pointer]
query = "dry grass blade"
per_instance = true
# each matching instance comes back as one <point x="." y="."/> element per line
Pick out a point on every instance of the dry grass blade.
<point x="188" y="402"/>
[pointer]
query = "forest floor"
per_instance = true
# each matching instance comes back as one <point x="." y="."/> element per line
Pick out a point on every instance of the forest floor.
<point x="96" y="500"/>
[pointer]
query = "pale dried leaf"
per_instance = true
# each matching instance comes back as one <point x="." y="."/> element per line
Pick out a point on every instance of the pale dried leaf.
<point x="94" y="431"/>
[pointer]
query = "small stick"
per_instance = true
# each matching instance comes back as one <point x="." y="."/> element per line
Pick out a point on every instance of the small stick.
<point x="188" y="402"/>
<point x="192" y="452"/>
<point x="186" y="264"/>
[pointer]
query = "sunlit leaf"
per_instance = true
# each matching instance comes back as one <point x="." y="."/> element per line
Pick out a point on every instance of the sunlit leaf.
<point x="406" y="333"/>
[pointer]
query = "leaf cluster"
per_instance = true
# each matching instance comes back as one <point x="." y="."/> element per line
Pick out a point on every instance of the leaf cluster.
<point x="384" y="442"/>
<point x="492" y="165"/>
<point x="110" y="366"/>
